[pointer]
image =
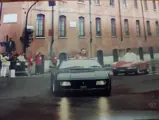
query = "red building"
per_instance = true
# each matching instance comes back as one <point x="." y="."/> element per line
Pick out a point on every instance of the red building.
<point x="116" y="25"/>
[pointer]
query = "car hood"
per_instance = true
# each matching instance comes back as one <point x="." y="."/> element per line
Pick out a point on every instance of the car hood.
<point x="89" y="75"/>
<point x="126" y="65"/>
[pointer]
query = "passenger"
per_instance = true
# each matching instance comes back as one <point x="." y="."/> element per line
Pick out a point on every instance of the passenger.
<point x="83" y="54"/>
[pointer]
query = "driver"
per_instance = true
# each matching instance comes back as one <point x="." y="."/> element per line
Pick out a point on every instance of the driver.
<point x="82" y="54"/>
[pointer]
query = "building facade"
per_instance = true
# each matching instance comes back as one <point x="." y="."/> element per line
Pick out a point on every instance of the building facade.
<point x="116" y="26"/>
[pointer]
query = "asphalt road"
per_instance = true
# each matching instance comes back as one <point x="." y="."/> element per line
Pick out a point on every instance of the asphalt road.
<point x="29" y="98"/>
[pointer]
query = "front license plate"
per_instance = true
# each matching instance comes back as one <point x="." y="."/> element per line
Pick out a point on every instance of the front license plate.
<point x="83" y="87"/>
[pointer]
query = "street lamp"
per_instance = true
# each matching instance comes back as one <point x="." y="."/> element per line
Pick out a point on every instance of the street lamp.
<point x="52" y="4"/>
<point x="25" y="29"/>
<point x="90" y="28"/>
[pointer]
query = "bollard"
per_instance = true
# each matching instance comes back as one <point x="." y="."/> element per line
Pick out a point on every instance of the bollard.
<point x="100" y="57"/>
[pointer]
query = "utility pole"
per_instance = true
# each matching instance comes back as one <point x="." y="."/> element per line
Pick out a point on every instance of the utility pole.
<point x="52" y="4"/>
<point x="25" y="29"/>
<point x="143" y="18"/>
<point x="90" y="26"/>
<point x="121" y="30"/>
<point x="52" y="30"/>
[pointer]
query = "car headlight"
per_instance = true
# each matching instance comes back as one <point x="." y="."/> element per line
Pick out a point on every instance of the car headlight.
<point x="65" y="83"/>
<point x="101" y="82"/>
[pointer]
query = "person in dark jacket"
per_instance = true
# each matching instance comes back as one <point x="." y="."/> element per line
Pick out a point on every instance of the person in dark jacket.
<point x="13" y="60"/>
<point x="10" y="45"/>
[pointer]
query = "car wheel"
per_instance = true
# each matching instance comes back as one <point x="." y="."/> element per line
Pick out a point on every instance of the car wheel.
<point x="126" y="73"/>
<point x="115" y="73"/>
<point x="146" y="71"/>
<point x="137" y="72"/>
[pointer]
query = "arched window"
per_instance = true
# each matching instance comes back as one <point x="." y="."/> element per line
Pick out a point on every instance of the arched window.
<point x="148" y="28"/>
<point x="141" y="53"/>
<point x="62" y="26"/>
<point x="126" y="27"/>
<point x="98" y="26"/>
<point x="40" y="25"/>
<point x="138" y="32"/>
<point x="154" y="4"/>
<point x="115" y="55"/>
<point x="113" y="27"/>
<point x="157" y="28"/>
<point x="145" y="4"/>
<point x="81" y="26"/>
<point x="135" y="4"/>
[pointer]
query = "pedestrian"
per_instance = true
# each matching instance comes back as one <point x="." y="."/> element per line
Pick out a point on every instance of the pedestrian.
<point x="38" y="63"/>
<point x="54" y="60"/>
<point x="13" y="61"/>
<point x="4" y="65"/>
<point x="10" y="45"/>
<point x="83" y="54"/>
<point x="30" y="64"/>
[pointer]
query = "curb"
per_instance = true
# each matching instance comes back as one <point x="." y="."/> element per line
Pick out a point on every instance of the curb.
<point x="46" y="74"/>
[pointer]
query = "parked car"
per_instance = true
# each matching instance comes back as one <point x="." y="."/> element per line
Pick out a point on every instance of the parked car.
<point x="136" y="67"/>
<point x="75" y="75"/>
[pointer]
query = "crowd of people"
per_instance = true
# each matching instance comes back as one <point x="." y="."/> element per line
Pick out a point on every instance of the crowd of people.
<point x="10" y="60"/>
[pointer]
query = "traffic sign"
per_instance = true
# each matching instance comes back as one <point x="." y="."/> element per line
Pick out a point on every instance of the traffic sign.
<point x="52" y="3"/>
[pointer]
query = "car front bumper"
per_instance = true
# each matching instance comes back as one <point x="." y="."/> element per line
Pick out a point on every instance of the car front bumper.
<point x="87" y="87"/>
<point x="125" y="70"/>
<point x="81" y="90"/>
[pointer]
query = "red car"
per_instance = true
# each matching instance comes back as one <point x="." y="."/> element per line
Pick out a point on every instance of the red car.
<point x="136" y="67"/>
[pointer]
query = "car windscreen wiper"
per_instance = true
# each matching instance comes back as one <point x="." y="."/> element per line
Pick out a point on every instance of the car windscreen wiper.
<point x="94" y="67"/>
<point x="73" y="67"/>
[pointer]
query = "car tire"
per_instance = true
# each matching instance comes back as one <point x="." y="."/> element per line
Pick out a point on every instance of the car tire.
<point x="146" y="71"/>
<point x="137" y="72"/>
<point x="126" y="73"/>
<point x="115" y="73"/>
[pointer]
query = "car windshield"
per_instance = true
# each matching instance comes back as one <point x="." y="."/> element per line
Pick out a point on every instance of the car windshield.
<point x="79" y="64"/>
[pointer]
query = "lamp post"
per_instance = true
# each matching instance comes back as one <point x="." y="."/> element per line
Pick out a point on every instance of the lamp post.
<point x="25" y="29"/>
<point x="90" y="28"/>
<point x="52" y="4"/>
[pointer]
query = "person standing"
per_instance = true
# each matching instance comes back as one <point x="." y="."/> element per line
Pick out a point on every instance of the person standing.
<point x="38" y="63"/>
<point x="83" y="54"/>
<point x="13" y="61"/>
<point x="30" y="63"/>
<point x="10" y="45"/>
<point x="4" y="64"/>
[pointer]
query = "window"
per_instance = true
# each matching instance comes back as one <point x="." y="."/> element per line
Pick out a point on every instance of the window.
<point x="141" y="55"/>
<point x="40" y="21"/>
<point x="151" y="52"/>
<point x="135" y="4"/>
<point x="98" y="26"/>
<point x="124" y="3"/>
<point x="115" y="55"/>
<point x="157" y="29"/>
<point x="145" y="4"/>
<point x="62" y="26"/>
<point x="112" y="2"/>
<point x="126" y="27"/>
<point x="81" y="26"/>
<point x="138" y="33"/>
<point x="154" y="4"/>
<point x="148" y="28"/>
<point x="97" y="2"/>
<point x="113" y="27"/>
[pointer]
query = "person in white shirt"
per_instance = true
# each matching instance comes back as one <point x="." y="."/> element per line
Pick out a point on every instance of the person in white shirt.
<point x="130" y="56"/>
